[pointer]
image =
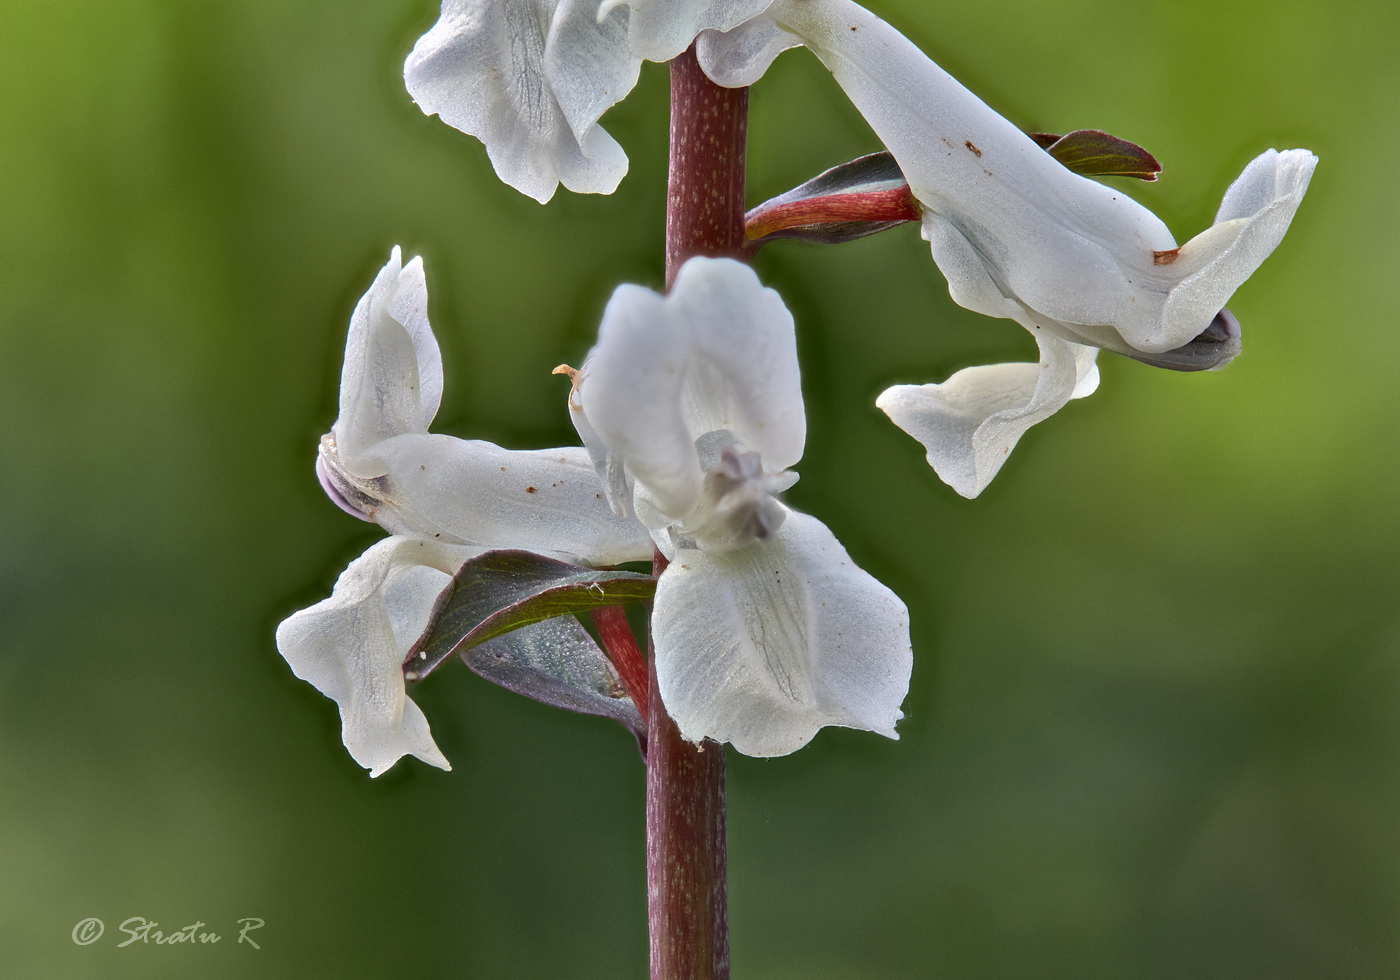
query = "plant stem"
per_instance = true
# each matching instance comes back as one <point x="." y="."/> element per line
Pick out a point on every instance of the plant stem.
<point x="620" y="643"/>
<point x="705" y="199"/>
<point x="686" y="902"/>
<point x="686" y="906"/>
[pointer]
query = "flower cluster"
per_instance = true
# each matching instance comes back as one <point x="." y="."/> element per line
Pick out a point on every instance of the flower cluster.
<point x="690" y="406"/>
<point x="443" y="500"/>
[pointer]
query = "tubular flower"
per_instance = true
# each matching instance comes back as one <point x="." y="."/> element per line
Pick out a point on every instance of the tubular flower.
<point x="531" y="78"/>
<point x="444" y="499"/>
<point x="1017" y="235"/>
<point x="764" y="629"/>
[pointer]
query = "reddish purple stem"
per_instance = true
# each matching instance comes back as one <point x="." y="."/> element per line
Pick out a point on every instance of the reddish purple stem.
<point x="686" y="899"/>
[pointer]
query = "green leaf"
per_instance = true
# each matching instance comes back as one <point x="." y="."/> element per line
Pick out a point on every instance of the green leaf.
<point x="1094" y="153"/>
<point x="501" y="591"/>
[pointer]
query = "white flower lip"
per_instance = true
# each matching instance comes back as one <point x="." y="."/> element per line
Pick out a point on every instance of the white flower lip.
<point x="763" y="646"/>
<point x="531" y="78"/>
<point x="970" y="423"/>
<point x="351" y="646"/>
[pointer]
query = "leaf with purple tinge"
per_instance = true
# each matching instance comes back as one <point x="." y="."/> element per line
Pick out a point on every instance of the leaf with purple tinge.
<point x="1094" y="153"/>
<point x="557" y="663"/>
<point x="852" y="200"/>
<point x="501" y="591"/>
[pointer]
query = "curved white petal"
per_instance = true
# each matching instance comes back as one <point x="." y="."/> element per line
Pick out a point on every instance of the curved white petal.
<point x="1253" y="217"/>
<point x="351" y="647"/>
<point x="658" y="30"/>
<point x="380" y="462"/>
<point x="763" y="646"/>
<point x="739" y="57"/>
<point x="716" y="354"/>
<point x="629" y="396"/>
<point x="1063" y="247"/>
<point x="467" y="491"/>
<point x="971" y="286"/>
<point x="530" y="79"/>
<point x="970" y="423"/>
<point x="392" y="379"/>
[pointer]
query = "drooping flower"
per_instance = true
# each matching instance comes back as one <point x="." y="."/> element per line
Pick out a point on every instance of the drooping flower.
<point x="351" y="646"/>
<point x="444" y="499"/>
<point x="531" y="78"/>
<point x="1017" y="235"/>
<point x="764" y="629"/>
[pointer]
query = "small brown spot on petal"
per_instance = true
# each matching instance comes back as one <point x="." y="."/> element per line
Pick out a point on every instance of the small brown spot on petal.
<point x="971" y="146"/>
<point x="531" y="490"/>
<point x="1165" y="258"/>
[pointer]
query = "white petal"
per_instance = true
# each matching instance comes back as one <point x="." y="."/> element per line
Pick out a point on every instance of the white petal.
<point x="588" y="64"/>
<point x="718" y="353"/>
<point x="1063" y="247"/>
<point x="740" y="57"/>
<point x="971" y="286"/>
<point x="970" y="423"/>
<point x="466" y="491"/>
<point x="629" y="395"/>
<point x="763" y="646"/>
<point x="392" y="379"/>
<point x="1256" y="211"/>
<point x="661" y="29"/>
<point x="609" y="468"/>
<point x="529" y="78"/>
<point x="351" y="647"/>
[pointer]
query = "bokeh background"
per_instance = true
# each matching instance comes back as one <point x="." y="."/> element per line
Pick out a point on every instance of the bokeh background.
<point x="1153" y="727"/>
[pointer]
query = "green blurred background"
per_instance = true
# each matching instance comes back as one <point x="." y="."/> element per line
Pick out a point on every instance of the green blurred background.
<point x="1153" y="727"/>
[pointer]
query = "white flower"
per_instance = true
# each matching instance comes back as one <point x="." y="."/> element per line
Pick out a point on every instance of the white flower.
<point x="531" y="78"/>
<point x="970" y="423"/>
<point x="1017" y="235"/>
<point x="351" y="646"/>
<point x="764" y="630"/>
<point x="444" y="499"/>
